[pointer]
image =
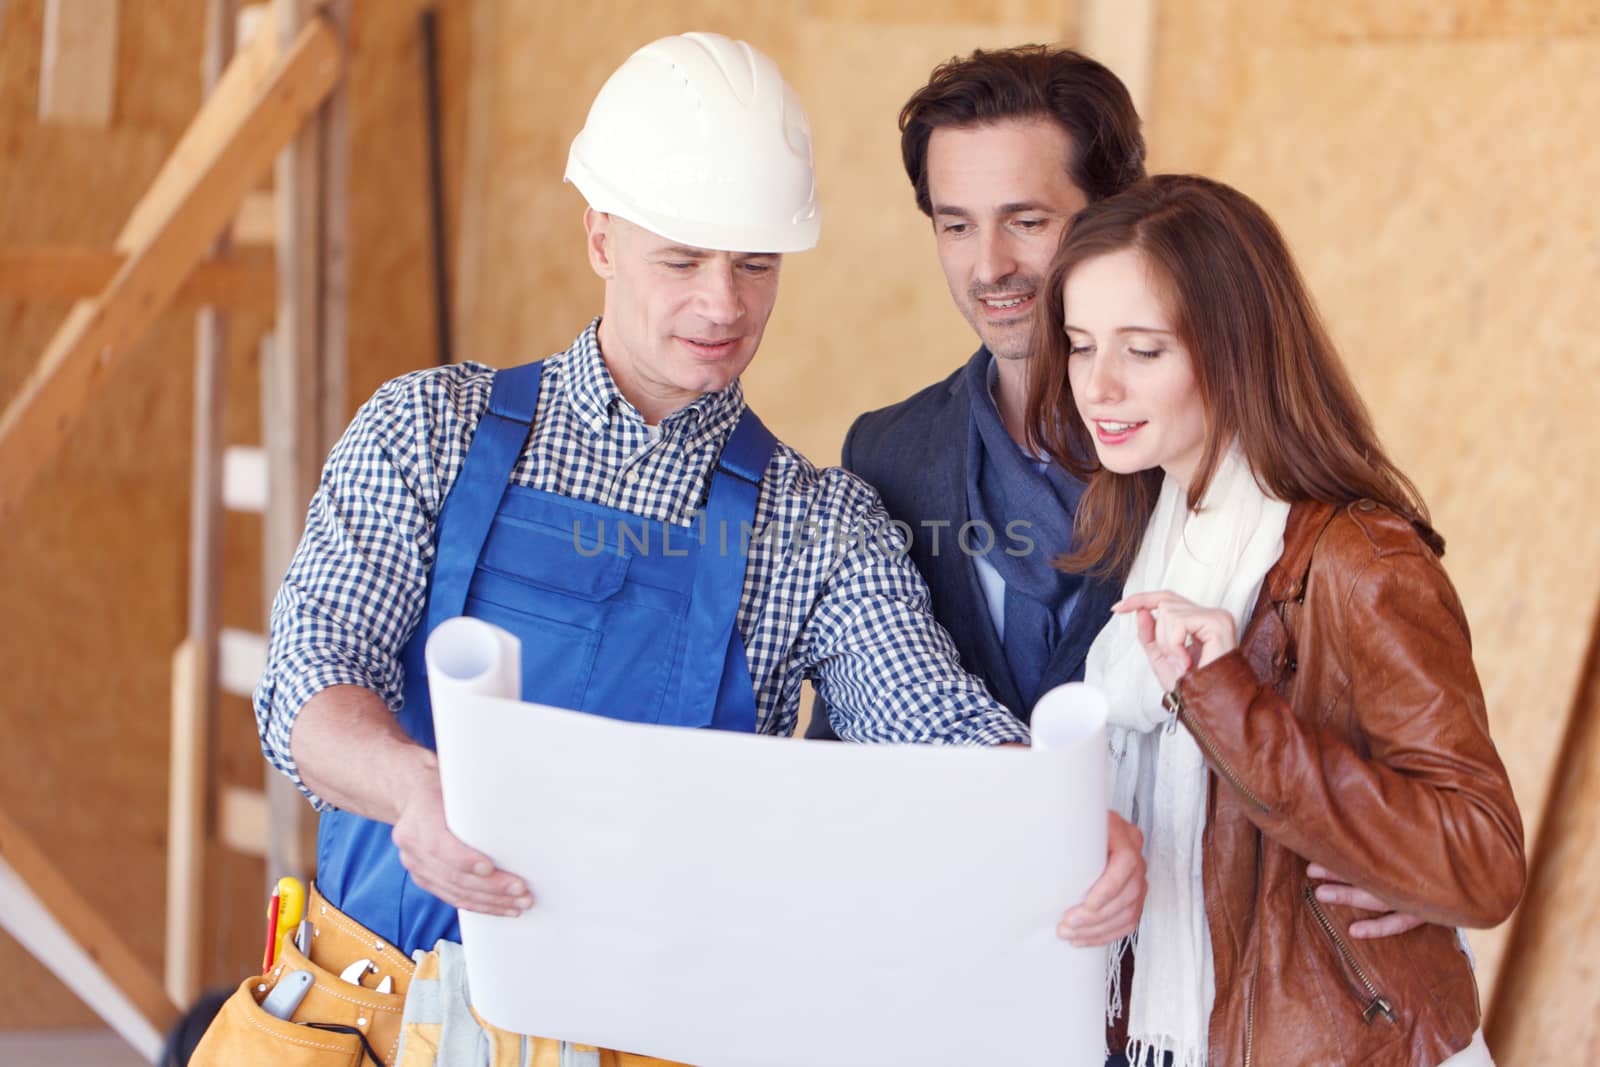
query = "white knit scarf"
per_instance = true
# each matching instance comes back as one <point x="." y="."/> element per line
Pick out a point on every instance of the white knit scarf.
<point x="1216" y="557"/>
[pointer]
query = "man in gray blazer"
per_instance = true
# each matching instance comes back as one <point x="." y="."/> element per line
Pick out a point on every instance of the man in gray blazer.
<point x="1002" y="149"/>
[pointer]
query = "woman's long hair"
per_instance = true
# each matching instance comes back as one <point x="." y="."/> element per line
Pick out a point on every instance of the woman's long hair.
<point x="1266" y="369"/>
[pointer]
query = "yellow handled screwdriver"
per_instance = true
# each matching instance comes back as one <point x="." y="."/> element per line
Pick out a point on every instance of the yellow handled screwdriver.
<point x="289" y="896"/>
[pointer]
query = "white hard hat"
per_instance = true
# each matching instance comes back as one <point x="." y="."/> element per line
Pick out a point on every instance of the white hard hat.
<point x="698" y="138"/>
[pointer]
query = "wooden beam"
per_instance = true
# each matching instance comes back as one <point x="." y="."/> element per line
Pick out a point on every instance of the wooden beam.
<point x="27" y="918"/>
<point x="194" y="703"/>
<point x="291" y="391"/>
<point x="242" y="659"/>
<point x="258" y="107"/>
<point x="257" y="221"/>
<point x="242" y="819"/>
<point x="237" y="93"/>
<point x="248" y="19"/>
<point x="1544" y="1005"/>
<point x="245" y="281"/>
<point x="78" y="62"/>
<point x="334" y="297"/>
<point x="188" y="778"/>
<point x="223" y="39"/>
<point x="30" y="883"/>
<point x="302" y="366"/>
<point x="484" y="101"/>
<point x="244" y="479"/>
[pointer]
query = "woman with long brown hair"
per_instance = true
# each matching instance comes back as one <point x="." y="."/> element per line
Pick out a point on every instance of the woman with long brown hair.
<point x="1289" y="670"/>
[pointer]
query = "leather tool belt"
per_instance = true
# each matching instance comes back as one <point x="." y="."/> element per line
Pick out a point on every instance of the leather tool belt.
<point x="348" y="989"/>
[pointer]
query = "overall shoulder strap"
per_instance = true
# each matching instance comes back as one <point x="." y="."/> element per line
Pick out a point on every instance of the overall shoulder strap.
<point x="748" y="451"/>
<point x="470" y="508"/>
<point x="719" y="573"/>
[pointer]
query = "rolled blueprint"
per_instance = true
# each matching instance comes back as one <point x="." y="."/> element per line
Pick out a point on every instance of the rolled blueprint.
<point x="1072" y="718"/>
<point x="471" y="657"/>
<point x="1071" y="715"/>
<point x="471" y="664"/>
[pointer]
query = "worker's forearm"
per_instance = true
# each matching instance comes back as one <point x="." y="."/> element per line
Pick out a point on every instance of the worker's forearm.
<point x="351" y="752"/>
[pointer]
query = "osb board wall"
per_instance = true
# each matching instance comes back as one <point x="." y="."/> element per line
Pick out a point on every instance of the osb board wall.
<point x="93" y="574"/>
<point x="1434" y="167"/>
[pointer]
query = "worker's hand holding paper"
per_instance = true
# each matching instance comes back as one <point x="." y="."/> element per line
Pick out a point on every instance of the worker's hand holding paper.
<point x="726" y="899"/>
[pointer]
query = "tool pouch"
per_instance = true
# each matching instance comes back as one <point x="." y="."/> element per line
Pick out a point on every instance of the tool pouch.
<point x="336" y="1024"/>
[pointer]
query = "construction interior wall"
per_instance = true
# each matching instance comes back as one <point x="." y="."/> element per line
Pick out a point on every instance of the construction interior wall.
<point x="1433" y="166"/>
<point x="92" y="576"/>
<point x="93" y="573"/>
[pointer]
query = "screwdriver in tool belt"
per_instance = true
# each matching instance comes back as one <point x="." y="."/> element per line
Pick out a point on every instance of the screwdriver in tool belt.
<point x="285" y="909"/>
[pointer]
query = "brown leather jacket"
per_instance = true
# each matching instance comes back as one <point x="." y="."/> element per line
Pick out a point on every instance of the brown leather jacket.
<point x="1349" y="728"/>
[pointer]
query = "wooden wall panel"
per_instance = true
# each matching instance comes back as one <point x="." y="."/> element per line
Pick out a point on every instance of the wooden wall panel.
<point x="92" y="578"/>
<point x="1433" y="166"/>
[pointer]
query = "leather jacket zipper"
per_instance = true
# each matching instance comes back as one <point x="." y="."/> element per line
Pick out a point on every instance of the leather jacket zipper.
<point x="1174" y="705"/>
<point x="1255" y="975"/>
<point x="1377" y="1003"/>
<point x="1250" y="1018"/>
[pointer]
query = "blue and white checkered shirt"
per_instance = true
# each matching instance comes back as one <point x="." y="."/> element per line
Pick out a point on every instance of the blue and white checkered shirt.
<point x="828" y="594"/>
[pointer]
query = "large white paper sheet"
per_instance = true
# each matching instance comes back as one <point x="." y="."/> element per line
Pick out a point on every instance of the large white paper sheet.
<point x="737" y="901"/>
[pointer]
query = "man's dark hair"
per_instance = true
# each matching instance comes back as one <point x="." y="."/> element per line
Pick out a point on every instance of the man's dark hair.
<point x="1031" y="81"/>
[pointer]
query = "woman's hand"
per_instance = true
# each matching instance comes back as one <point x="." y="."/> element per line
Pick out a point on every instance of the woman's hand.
<point x="1387" y="923"/>
<point x="1178" y="634"/>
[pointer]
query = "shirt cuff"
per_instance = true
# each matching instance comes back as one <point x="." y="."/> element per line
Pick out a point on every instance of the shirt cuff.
<point x="990" y="728"/>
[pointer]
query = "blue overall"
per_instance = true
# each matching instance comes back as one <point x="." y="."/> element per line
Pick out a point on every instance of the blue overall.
<point x="587" y="589"/>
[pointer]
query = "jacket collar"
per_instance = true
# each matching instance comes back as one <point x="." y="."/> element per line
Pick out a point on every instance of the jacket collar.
<point x="958" y="380"/>
<point x="1307" y="520"/>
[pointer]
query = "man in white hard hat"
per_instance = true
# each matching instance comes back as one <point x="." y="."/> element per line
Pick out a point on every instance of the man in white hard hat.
<point x="462" y="490"/>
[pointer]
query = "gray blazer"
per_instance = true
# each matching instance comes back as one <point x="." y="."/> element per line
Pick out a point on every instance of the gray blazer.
<point x="915" y="454"/>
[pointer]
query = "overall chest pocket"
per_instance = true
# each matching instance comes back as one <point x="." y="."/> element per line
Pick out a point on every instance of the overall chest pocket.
<point x="568" y="597"/>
